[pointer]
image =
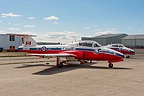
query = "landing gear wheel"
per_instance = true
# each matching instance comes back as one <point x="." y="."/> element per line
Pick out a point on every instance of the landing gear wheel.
<point x="128" y="56"/>
<point x="47" y="63"/>
<point x="60" y="65"/>
<point x="110" y="65"/>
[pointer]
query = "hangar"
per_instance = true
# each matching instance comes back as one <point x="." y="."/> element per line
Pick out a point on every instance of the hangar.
<point x="133" y="41"/>
<point x="106" y="39"/>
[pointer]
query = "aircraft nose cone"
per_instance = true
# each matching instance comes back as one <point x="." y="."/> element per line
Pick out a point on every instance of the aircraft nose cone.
<point x="123" y="56"/>
<point x="132" y="52"/>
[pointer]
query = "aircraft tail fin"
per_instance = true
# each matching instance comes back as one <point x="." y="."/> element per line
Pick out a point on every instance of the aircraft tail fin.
<point x="27" y="40"/>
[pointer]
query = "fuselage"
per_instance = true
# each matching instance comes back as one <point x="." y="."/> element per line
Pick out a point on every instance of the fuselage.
<point x="81" y="50"/>
<point x="121" y="48"/>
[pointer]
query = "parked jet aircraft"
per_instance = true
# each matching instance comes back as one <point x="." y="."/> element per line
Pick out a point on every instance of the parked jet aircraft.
<point x="76" y="52"/>
<point x="121" y="48"/>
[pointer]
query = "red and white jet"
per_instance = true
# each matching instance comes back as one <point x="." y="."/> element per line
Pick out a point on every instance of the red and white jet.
<point x="75" y="53"/>
<point x="121" y="48"/>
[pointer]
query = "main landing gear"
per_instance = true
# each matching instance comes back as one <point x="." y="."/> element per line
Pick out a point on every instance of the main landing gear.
<point x="110" y="65"/>
<point x="127" y="56"/>
<point x="60" y="65"/>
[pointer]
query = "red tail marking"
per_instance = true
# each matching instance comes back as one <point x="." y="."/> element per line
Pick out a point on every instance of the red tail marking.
<point x="28" y="43"/>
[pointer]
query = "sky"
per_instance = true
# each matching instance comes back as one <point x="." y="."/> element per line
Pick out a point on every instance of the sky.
<point x="69" y="20"/>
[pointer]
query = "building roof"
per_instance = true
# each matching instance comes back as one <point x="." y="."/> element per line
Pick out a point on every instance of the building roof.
<point x="107" y="36"/>
<point x="4" y="34"/>
<point x="134" y="37"/>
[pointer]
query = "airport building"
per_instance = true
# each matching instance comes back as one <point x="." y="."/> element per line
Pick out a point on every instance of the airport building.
<point x="9" y="42"/>
<point x="106" y="39"/>
<point x="133" y="41"/>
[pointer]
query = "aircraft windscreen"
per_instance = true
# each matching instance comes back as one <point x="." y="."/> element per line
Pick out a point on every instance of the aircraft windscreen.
<point x="121" y="45"/>
<point x="114" y="45"/>
<point x="88" y="44"/>
<point x="96" y="45"/>
<point x="117" y="45"/>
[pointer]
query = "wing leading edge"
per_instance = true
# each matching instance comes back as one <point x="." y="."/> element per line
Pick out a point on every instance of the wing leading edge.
<point x="53" y="55"/>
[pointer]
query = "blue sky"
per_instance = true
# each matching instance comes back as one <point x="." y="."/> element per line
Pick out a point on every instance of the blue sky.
<point x="66" y="20"/>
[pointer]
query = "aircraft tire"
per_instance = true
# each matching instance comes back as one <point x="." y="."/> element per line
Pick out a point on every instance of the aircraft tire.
<point x="128" y="56"/>
<point x="110" y="65"/>
<point x="60" y="65"/>
<point x="47" y="63"/>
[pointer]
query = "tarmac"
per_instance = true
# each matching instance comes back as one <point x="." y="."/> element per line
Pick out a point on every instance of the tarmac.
<point x="30" y="76"/>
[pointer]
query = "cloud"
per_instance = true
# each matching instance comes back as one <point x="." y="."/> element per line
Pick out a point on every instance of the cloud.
<point x="31" y="18"/>
<point x="2" y="32"/>
<point x="30" y="33"/>
<point x="130" y="28"/>
<point x="98" y="30"/>
<point x="17" y="24"/>
<point x="140" y="29"/>
<point x="14" y="29"/>
<point x="4" y="15"/>
<point x="29" y="26"/>
<point x="63" y="37"/>
<point x="51" y="18"/>
<point x="55" y="22"/>
<point x="86" y="28"/>
<point x="95" y="25"/>
<point x="111" y="31"/>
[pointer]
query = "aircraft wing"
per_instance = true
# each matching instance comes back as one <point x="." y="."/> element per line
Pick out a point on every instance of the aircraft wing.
<point x="53" y="55"/>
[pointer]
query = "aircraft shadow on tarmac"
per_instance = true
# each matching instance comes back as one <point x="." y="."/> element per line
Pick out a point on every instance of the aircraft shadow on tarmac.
<point x="31" y="65"/>
<point x="53" y="70"/>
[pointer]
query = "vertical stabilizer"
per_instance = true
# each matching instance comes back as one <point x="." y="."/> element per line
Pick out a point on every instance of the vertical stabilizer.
<point x="27" y="40"/>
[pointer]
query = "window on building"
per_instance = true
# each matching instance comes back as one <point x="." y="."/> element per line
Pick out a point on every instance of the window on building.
<point x="11" y="38"/>
<point x="22" y="40"/>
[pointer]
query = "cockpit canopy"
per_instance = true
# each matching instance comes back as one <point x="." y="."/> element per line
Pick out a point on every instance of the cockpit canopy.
<point x="117" y="45"/>
<point x="89" y="44"/>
